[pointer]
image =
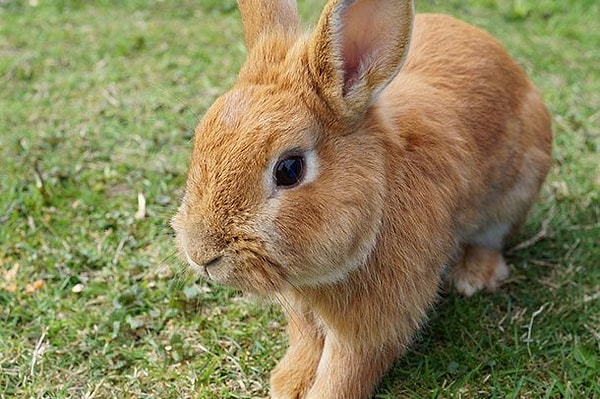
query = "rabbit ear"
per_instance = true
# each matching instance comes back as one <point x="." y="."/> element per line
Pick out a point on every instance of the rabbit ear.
<point x="357" y="49"/>
<point x="260" y="16"/>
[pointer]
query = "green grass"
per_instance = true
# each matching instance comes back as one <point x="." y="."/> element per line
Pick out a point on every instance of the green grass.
<point x="98" y="101"/>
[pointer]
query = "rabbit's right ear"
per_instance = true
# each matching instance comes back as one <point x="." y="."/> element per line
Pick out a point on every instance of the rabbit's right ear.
<point x="357" y="48"/>
<point x="267" y="16"/>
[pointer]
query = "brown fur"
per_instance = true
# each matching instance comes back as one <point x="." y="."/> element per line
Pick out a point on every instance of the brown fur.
<point x="414" y="171"/>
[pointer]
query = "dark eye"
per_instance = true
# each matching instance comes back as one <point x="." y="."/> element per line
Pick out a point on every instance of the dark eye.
<point x="289" y="171"/>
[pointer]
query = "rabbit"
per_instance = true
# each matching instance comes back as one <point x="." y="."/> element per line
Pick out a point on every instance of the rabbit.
<point x="351" y="169"/>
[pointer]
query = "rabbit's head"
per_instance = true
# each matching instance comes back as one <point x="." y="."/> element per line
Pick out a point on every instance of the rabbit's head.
<point x="287" y="180"/>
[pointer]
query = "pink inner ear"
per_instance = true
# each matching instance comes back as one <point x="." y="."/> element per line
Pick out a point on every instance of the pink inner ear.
<point x="352" y="59"/>
<point x="373" y="37"/>
<point x="362" y="37"/>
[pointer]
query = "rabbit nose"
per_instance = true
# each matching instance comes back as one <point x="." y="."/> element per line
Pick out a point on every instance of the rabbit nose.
<point x="204" y="264"/>
<point x="203" y="241"/>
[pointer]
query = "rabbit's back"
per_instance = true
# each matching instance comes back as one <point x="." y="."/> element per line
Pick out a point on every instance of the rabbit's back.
<point x="470" y="120"/>
<point x="465" y="73"/>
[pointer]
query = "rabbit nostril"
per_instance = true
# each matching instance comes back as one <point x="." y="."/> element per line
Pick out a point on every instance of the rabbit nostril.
<point x="213" y="261"/>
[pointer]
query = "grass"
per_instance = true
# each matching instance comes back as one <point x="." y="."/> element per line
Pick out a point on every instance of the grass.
<point x="98" y="101"/>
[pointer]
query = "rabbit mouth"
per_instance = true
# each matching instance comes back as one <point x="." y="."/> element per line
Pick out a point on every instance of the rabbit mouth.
<point x="248" y="271"/>
<point x="209" y="268"/>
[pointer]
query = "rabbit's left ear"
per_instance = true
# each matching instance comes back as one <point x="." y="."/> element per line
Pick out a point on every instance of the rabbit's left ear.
<point x="358" y="47"/>
<point x="267" y="16"/>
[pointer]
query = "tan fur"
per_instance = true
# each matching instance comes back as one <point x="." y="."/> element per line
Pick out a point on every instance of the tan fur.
<point x="267" y="17"/>
<point x="413" y="172"/>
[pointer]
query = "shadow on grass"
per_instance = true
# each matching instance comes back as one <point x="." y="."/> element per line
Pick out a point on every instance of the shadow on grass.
<point x="537" y="334"/>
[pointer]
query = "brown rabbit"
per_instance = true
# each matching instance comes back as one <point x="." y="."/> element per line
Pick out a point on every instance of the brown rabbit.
<point x="344" y="183"/>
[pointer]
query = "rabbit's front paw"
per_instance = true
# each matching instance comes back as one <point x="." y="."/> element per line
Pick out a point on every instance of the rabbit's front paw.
<point x="290" y="383"/>
<point x="295" y="373"/>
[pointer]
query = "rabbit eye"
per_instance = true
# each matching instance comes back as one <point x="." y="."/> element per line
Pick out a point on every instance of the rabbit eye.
<point x="289" y="171"/>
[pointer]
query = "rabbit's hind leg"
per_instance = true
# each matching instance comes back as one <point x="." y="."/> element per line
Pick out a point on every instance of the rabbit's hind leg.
<point x="479" y="268"/>
<point x="481" y="264"/>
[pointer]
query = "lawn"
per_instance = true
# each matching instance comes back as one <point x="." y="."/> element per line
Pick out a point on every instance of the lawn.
<point x="98" y="101"/>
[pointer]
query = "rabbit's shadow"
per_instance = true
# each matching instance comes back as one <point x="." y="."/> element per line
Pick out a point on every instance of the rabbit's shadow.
<point x="469" y="342"/>
<point x="462" y="337"/>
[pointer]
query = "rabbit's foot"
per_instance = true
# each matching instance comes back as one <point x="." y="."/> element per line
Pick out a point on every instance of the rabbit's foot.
<point x="479" y="268"/>
<point x="295" y="373"/>
<point x="291" y="381"/>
